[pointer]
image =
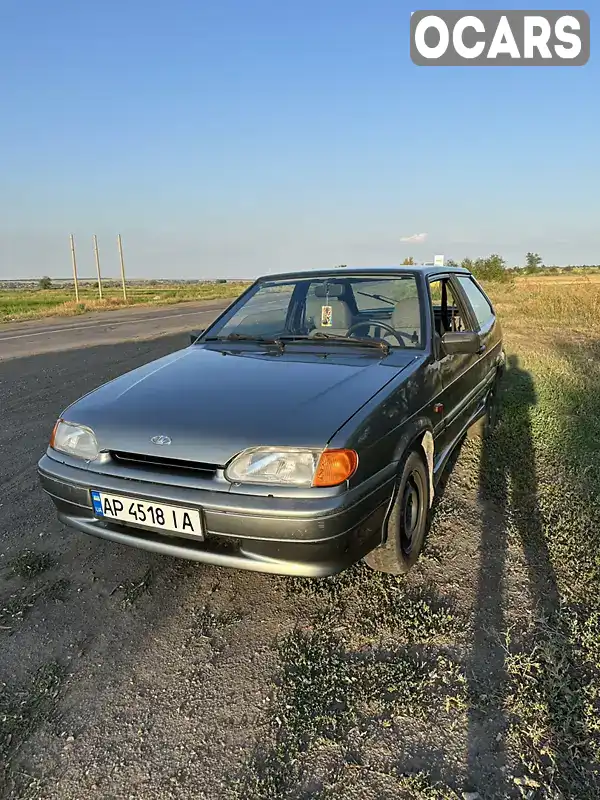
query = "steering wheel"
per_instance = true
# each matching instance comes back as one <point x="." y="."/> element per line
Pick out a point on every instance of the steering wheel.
<point x="378" y="324"/>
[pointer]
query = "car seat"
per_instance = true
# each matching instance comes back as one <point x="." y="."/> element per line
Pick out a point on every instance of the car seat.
<point x="406" y="319"/>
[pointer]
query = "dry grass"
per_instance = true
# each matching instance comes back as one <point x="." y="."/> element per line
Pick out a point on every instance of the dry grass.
<point x="569" y="277"/>
<point x="37" y="303"/>
<point x="549" y="304"/>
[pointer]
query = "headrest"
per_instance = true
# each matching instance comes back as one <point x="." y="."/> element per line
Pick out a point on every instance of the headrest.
<point x="329" y="290"/>
<point x="407" y="309"/>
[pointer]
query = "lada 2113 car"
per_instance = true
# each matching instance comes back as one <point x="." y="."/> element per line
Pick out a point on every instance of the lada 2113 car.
<point x="305" y="429"/>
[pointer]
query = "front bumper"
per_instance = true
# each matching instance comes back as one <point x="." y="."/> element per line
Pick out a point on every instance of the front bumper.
<point x="280" y="535"/>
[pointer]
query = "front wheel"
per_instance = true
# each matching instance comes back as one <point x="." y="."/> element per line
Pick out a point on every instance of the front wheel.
<point x="407" y="523"/>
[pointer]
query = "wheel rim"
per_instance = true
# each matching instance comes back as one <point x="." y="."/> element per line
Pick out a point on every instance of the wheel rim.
<point x="412" y="511"/>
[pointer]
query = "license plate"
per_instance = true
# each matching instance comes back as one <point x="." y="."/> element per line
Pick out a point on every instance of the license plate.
<point x="143" y="514"/>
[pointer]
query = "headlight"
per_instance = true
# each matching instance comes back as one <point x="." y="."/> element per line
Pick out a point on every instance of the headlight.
<point x="292" y="467"/>
<point x="75" y="440"/>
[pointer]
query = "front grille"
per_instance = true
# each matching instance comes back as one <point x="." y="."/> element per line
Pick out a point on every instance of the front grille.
<point x="161" y="464"/>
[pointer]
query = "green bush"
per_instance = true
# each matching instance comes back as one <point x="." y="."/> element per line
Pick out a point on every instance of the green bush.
<point x="492" y="268"/>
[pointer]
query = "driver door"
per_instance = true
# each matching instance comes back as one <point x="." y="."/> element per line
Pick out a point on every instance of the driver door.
<point x="459" y="372"/>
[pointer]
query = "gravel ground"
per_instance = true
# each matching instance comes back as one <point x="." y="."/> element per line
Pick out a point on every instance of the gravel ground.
<point x="161" y="667"/>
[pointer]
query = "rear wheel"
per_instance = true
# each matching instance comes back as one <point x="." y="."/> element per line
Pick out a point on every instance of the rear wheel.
<point x="407" y="523"/>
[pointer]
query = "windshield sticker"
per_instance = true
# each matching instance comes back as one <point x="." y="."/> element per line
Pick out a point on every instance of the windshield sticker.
<point x="326" y="316"/>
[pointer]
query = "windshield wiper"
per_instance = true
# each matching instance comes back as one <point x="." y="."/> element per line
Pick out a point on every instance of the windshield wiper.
<point x="379" y="297"/>
<point x="242" y="337"/>
<point x="357" y="341"/>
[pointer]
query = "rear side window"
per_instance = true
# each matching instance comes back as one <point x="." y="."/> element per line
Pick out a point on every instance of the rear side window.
<point x="479" y="302"/>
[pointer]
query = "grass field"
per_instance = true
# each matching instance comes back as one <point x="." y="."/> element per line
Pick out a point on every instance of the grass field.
<point x="35" y="303"/>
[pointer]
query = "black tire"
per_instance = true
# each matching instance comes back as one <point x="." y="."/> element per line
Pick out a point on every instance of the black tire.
<point x="408" y="521"/>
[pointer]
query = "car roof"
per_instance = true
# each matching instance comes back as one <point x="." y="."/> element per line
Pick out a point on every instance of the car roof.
<point x="384" y="271"/>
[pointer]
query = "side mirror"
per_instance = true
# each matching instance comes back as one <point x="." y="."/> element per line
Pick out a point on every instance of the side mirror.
<point x="195" y="334"/>
<point x="464" y="342"/>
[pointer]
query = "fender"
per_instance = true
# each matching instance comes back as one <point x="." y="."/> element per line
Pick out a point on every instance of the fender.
<point x="413" y="431"/>
<point x="420" y="432"/>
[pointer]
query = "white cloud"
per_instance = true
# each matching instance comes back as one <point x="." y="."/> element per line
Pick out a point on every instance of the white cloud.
<point x="416" y="238"/>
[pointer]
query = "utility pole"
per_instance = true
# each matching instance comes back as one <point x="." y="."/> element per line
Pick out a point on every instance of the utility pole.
<point x="120" y="244"/>
<point x="74" y="260"/>
<point x="96" y="254"/>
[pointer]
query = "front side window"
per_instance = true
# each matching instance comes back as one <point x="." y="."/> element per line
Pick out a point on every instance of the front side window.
<point x="478" y="301"/>
<point x="447" y="315"/>
<point x="336" y="306"/>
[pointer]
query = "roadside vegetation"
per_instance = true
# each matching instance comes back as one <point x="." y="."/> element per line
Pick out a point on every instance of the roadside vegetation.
<point x="18" y="305"/>
<point x="47" y="299"/>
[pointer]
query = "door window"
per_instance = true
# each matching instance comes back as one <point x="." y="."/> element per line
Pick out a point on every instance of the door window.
<point x="447" y="312"/>
<point x="478" y="301"/>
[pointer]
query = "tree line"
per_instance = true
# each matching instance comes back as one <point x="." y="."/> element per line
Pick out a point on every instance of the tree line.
<point x="495" y="268"/>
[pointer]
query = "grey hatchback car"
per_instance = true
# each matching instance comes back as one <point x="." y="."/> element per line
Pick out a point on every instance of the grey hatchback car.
<point x="305" y="429"/>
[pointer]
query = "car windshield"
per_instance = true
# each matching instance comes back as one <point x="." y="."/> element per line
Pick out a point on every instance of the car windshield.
<point x="377" y="308"/>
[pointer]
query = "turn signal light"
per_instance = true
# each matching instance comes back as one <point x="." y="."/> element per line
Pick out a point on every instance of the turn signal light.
<point x="53" y="434"/>
<point x="335" y="467"/>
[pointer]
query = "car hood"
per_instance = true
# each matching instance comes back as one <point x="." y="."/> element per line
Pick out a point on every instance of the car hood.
<point x="213" y="403"/>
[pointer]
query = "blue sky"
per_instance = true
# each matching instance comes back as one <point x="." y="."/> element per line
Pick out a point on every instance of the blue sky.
<point x="236" y="138"/>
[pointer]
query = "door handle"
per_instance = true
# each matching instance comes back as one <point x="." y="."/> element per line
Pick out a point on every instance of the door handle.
<point x="481" y="349"/>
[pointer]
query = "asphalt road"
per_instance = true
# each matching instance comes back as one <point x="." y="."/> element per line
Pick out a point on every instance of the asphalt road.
<point x="105" y="327"/>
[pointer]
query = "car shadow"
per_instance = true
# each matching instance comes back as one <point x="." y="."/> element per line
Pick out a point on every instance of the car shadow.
<point x="509" y="494"/>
